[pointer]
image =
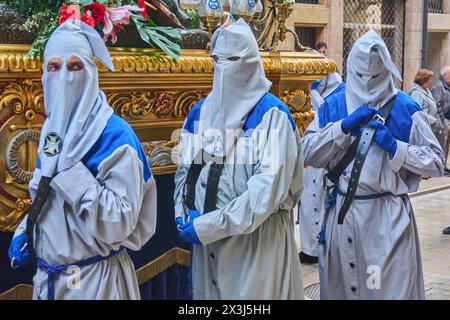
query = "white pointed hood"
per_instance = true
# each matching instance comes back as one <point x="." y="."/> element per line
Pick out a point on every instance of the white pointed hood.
<point x="77" y="111"/>
<point x="239" y="83"/>
<point x="370" y="73"/>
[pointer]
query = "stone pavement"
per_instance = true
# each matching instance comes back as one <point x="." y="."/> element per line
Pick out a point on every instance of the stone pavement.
<point x="432" y="212"/>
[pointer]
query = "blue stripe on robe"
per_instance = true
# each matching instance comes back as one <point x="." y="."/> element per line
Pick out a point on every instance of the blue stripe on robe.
<point x="254" y="118"/>
<point x="116" y="134"/>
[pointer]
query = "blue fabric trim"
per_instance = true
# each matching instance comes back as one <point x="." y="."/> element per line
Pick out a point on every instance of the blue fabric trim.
<point x="340" y="88"/>
<point x="254" y="118"/>
<point x="267" y="103"/>
<point x="315" y="84"/>
<point x="399" y="123"/>
<point x="333" y="109"/>
<point x="116" y="134"/>
<point x="193" y="117"/>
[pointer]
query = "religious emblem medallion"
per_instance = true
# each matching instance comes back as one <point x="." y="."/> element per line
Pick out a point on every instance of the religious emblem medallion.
<point x="53" y="144"/>
<point x="213" y="4"/>
<point x="21" y="175"/>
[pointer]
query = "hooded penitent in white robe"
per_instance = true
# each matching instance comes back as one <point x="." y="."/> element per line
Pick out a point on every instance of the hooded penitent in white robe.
<point x="103" y="195"/>
<point x="375" y="253"/>
<point x="311" y="208"/>
<point x="248" y="248"/>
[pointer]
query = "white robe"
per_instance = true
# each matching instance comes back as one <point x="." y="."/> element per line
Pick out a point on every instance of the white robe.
<point x="249" y="249"/>
<point x="103" y="203"/>
<point x="375" y="253"/>
<point x="311" y="208"/>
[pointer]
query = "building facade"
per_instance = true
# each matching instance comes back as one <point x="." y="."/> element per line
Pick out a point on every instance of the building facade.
<point x="400" y="22"/>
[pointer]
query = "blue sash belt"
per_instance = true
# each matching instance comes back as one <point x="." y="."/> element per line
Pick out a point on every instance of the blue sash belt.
<point x="368" y="196"/>
<point x="330" y="202"/>
<point x="53" y="270"/>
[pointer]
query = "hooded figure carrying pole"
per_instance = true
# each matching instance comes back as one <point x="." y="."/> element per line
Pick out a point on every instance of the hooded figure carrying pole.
<point x="93" y="192"/>
<point x="240" y="174"/>
<point x="375" y="143"/>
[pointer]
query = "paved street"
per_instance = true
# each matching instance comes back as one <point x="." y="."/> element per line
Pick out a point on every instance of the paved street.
<point x="432" y="212"/>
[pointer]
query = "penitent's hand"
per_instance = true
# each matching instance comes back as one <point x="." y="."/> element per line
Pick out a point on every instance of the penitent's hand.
<point x="357" y="119"/>
<point x="18" y="252"/>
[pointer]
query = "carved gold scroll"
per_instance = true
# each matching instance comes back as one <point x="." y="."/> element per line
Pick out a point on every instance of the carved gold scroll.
<point x="153" y="93"/>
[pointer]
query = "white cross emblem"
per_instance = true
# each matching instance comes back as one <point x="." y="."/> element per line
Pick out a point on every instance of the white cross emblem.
<point x="53" y="144"/>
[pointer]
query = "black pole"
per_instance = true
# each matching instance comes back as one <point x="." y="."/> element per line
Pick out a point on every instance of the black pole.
<point x="425" y="34"/>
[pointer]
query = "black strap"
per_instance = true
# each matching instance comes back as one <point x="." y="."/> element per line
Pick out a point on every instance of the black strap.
<point x="361" y="154"/>
<point x="191" y="180"/>
<point x="357" y="151"/>
<point x="212" y="184"/>
<point x="334" y="174"/>
<point x="42" y="193"/>
<point x="212" y="187"/>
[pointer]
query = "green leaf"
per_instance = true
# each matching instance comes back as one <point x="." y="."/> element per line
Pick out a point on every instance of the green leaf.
<point x="163" y="38"/>
<point x="38" y="46"/>
<point x="195" y="19"/>
<point x="85" y="2"/>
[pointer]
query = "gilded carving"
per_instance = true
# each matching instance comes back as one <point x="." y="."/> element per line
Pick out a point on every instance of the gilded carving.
<point x="186" y="101"/>
<point x="298" y="102"/>
<point x="303" y="119"/>
<point x="16" y="62"/>
<point x="164" y="104"/>
<point x="20" y="96"/>
<point x="132" y="104"/>
<point x="137" y="104"/>
<point x="159" y="64"/>
<point x="296" y="99"/>
<point x="16" y="172"/>
<point x="21" y="112"/>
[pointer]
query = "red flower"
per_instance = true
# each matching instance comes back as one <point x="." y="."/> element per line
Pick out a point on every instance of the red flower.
<point x="68" y="11"/>
<point x="96" y="11"/>
<point x="141" y="4"/>
<point x="88" y="20"/>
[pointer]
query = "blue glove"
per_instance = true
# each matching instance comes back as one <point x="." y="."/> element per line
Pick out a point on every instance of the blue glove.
<point x="361" y="116"/>
<point x="383" y="137"/>
<point x="18" y="252"/>
<point x="179" y="221"/>
<point x="191" y="215"/>
<point x="188" y="234"/>
<point x="183" y="223"/>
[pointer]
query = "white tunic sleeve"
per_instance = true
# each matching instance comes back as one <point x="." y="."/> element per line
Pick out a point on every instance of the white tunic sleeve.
<point x="422" y="155"/>
<point x="278" y="175"/>
<point x="119" y="207"/>
<point x="323" y="147"/>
